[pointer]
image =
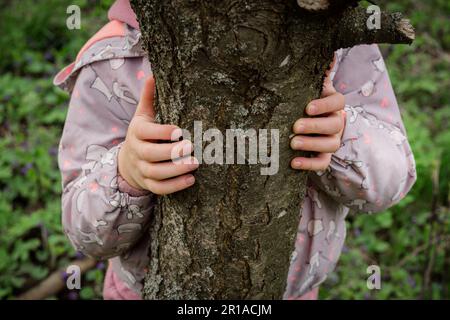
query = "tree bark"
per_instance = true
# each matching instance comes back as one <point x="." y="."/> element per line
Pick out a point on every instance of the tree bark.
<point x="248" y="65"/>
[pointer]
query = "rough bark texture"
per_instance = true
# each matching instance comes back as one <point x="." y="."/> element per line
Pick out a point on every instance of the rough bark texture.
<point x="239" y="64"/>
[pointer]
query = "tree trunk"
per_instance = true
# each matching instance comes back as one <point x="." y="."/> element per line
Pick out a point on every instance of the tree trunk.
<point x="248" y="65"/>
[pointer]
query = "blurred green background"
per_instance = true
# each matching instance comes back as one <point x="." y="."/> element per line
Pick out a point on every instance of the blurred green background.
<point x="410" y="242"/>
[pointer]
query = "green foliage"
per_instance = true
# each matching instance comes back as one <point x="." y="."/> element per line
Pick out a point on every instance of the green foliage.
<point x="35" y="45"/>
<point x="410" y="242"/>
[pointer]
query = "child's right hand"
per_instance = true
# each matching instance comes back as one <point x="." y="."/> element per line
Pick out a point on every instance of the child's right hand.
<point x="144" y="160"/>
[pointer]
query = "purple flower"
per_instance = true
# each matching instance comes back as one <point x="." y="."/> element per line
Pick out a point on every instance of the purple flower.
<point x="26" y="168"/>
<point x="24" y="145"/>
<point x="100" y="266"/>
<point x="63" y="275"/>
<point x="53" y="151"/>
<point x="411" y="282"/>
<point x="79" y="255"/>
<point x="49" y="56"/>
<point x="73" y="295"/>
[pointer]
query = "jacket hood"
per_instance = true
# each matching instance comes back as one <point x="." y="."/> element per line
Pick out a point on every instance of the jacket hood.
<point x="121" y="10"/>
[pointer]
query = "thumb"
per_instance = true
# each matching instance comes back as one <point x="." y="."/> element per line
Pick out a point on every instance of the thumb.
<point x="328" y="88"/>
<point x="145" y="106"/>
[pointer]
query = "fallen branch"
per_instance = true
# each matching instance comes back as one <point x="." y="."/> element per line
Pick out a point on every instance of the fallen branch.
<point x="55" y="282"/>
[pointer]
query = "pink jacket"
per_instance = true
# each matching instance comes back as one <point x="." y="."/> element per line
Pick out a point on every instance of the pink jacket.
<point x="105" y="218"/>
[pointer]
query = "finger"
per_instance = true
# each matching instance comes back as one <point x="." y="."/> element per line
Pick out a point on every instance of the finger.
<point x="145" y="106"/>
<point x="331" y="103"/>
<point x="332" y="124"/>
<point x="330" y="68"/>
<point x="328" y="88"/>
<point x="327" y="144"/>
<point x="319" y="163"/>
<point x="343" y="114"/>
<point x="332" y="64"/>
<point x="170" y="186"/>
<point x="166" y="170"/>
<point x="157" y="152"/>
<point x="146" y="130"/>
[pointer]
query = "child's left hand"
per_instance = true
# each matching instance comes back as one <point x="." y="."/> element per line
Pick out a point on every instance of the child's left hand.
<point x="323" y="132"/>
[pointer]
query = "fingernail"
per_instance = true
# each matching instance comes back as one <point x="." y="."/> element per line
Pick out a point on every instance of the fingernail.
<point x="298" y="143"/>
<point x="190" y="180"/>
<point x="188" y="147"/>
<point x="300" y="128"/>
<point x="298" y="163"/>
<point x="176" y="134"/>
<point x="312" y="109"/>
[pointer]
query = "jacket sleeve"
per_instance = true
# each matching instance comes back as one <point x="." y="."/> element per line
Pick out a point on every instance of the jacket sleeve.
<point x="374" y="167"/>
<point x="101" y="214"/>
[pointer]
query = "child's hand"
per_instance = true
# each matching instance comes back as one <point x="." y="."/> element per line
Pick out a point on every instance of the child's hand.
<point x="323" y="132"/>
<point x="144" y="156"/>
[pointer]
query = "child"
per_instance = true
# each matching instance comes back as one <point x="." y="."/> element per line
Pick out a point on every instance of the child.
<point x="112" y="171"/>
